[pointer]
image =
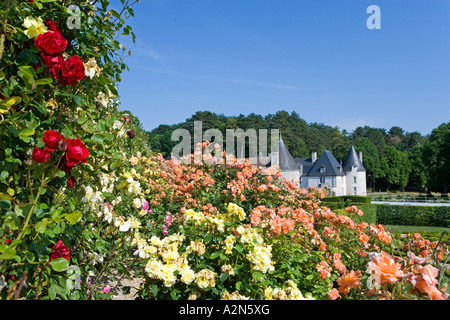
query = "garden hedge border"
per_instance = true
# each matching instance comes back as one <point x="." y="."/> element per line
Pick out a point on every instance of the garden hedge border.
<point x="407" y="215"/>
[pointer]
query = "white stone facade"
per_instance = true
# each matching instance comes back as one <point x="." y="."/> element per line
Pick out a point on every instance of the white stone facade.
<point x="327" y="174"/>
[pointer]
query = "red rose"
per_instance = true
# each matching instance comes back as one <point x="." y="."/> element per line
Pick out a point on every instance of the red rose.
<point x="59" y="250"/>
<point x="6" y="240"/>
<point x="52" y="25"/>
<point x="52" y="139"/>
<point x="64" y="167"/>
<point x="51" y="43"/>
<point x="71" y="71"/>
<point x="53" y="63"/>
<point x="76" y="152"/>
<point x="71" y="182"/>
<point x="40" y="155"/>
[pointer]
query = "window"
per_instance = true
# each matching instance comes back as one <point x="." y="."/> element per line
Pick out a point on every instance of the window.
<point x="354" y="179"/>
<point x="355" y="191"/>
<point x="322" y="169"/>
<point x="322" y="179"/>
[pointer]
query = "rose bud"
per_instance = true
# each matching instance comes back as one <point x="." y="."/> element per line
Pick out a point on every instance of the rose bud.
<point x="40" y="155"/>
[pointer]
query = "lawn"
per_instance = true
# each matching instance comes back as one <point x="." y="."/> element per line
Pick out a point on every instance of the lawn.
<point x="430" y="233"/>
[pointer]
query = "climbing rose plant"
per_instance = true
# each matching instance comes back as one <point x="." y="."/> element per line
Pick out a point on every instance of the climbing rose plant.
<point x="83" y="198"/>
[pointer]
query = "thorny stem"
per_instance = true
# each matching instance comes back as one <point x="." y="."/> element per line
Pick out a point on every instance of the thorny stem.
<point x="101" y="273"/>
<point x="38" y="285"/>
<point x="35" y="200"/>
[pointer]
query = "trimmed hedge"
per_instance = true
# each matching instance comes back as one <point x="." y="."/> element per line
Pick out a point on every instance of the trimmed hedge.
<point x="358" y="199"/>
<point x="334" y="203"/>
<point x="413" y="215"/>
<point x="369" y="216"/>
<point x="341" y="202"/>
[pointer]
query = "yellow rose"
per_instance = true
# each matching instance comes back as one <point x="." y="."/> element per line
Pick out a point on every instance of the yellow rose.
<point x="187" y="276"/>
<point x="34" y="27"/>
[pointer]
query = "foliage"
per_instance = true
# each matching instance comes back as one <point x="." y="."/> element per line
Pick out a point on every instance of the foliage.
<point x="82" y="197"/>
<point x="436" y="155"/>
<point x="60" y="127"/>
<point x="438" y="216"/>
<point x="394" y="159"/>
<point x="395" y="168"/>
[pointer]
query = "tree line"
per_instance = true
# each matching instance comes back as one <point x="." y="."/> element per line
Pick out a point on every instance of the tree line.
<point x="394" y="159"/>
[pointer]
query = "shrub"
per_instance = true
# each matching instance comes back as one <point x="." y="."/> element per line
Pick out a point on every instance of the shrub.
<point x="334" y="203"/>
<point x="438" y="216"/>
<point x="79" y="200"/>
<point x="62" y="135"/>
<point x="358" y="199"/>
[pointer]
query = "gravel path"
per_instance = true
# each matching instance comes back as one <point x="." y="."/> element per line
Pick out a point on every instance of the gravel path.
<point x="127" y="288"/>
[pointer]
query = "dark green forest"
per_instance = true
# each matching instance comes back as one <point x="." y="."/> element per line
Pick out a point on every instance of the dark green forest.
<point x="394" y="159"/>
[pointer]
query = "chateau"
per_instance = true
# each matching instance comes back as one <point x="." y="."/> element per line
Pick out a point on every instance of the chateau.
<point x="325" y="172"/>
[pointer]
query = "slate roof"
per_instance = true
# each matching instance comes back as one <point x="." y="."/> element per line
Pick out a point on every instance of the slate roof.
<point x="353" y="159"/>
<point x="326" y="161"/>
<point x="329" y="163"/>
<point x="306" y="163"/>
<point x="286" y="161"/>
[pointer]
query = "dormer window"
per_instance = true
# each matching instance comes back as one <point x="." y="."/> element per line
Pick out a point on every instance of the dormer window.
<point x="322" y="169"/>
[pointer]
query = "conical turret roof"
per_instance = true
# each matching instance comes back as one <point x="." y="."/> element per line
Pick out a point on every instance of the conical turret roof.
<point x="286" y="161"/>
<point x="353" y="160"/>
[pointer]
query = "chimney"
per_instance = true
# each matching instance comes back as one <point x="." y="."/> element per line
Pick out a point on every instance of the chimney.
<point x="360" y="156"/>
<point x="314" y="157"/>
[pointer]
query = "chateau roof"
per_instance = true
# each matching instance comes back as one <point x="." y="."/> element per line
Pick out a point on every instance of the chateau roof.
<point x="330" y="166"/>
<point x="353" y="160"/>
<point x="286" y="161"/>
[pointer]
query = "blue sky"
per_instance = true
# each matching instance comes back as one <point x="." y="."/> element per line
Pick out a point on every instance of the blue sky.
<point x="315" y="57"/>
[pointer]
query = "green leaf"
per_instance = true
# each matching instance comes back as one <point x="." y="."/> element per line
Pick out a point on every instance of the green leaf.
<point x="59" y="264"/>
<point x="5" y="197"/>
<point x="101" y="245"/>
<point x="73" y="218"/>
<point x="27" y="132"/>
<point x="154" y="289"/>
<point x="256" y="275"/>
<point x="5" y="204"/>
<point x="13" y="101"/>
<point x="40" y="226"/>
<point x="109" y="137"/>
<point x="82" y="120"/>
<point x="208" y="238"/>
<point x="223" y="276"/>
<point x="43" y="81"/>
<point x="27" y="71"/>
<point x="9" y="254"/>
<point x="78" y="100"/>
<point x="97" y="138"/>
<point x="215" y="255"/>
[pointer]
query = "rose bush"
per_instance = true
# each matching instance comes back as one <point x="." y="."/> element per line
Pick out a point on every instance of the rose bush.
<point x="82" y="197"/>
<point x="58" y="126"/>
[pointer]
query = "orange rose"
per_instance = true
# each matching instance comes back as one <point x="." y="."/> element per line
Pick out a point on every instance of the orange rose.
<point x="426" y="281"/>
<point x="385" y="269"/>
<point x="349" y="280"/>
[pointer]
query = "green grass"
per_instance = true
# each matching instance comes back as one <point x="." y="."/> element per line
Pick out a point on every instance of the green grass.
<point x="430" y="233"/>
<point x="412" y="229"/>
